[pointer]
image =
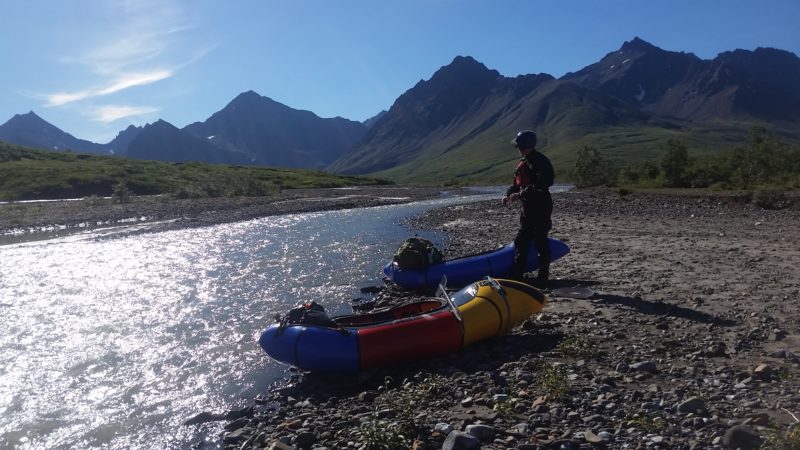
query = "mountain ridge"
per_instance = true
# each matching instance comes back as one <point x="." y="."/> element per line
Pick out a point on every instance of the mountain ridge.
<point x="461" y="116"/>
<point x="31" y="130"/>
<point x="626" y="103"/>
<point x="271" y="133"/>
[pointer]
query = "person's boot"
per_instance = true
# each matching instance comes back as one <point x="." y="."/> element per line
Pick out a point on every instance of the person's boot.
<point x="543" y="277"/>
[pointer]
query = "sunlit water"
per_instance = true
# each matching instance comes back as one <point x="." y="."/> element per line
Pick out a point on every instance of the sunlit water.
<point x="114" y="342"/>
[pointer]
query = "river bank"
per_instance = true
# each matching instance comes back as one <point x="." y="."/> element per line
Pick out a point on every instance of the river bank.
<point x="165" y="212"/>
<point x="690" y="340"/>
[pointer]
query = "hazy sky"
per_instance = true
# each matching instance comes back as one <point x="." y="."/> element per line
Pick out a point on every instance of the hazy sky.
<point x="93" y="67"/>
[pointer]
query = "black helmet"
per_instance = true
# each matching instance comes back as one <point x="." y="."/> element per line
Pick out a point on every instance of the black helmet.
<point x="525" y="139"/>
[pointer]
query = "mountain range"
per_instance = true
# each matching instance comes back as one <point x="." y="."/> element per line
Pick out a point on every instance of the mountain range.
<point x="457" y="124"/>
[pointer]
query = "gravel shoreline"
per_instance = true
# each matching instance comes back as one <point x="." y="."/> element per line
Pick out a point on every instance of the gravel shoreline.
<point x="162" y="213"/>
<point x="690" y="341"/>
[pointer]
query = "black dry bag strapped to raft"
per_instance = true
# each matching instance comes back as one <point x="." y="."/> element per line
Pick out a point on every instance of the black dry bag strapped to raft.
<point x="417" y="253"/>
<point x="310" y="313"/>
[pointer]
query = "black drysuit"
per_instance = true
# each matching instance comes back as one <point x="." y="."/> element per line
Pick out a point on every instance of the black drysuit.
<point x="532" y="179"/>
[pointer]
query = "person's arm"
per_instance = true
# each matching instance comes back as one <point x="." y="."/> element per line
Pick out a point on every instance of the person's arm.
<point x="512" y="193"/>
<point x="512" y="189"/>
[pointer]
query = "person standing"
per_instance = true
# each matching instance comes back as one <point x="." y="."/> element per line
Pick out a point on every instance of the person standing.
<point x="532" y="180"/>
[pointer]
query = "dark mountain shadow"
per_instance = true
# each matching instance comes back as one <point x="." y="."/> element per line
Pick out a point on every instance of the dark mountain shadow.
<point x="659" y="308"/>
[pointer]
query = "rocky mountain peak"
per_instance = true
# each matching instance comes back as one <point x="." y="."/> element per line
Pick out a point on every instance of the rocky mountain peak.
<point x="637" y="44"/>
<point x="161" y="123"/>
<point x="464" y="67"/>
<point x="29" y="118"/>
<point x="247" y="97"/>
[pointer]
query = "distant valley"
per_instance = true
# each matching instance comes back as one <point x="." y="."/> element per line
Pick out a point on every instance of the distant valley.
<point x="455" y="126"/>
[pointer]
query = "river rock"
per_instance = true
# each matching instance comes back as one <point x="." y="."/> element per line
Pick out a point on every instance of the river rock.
<point x="605" y="436"/>
<point x="442" y="427"/>
<point x="236" y="424"/>
<point x="204" y="417"/>
<point x="716" y="349"/>
<point x="645" y="366"/>
<point x="367" y="396"/>
<point x="692" y="405"/>
<point x="278" y="445"/>
<point x="237" y="413"/>
<point x="458" y="440"/>
<point x="483" y="432"/>
<point x="763" y="372"/>
<point x="781" y="354"/>
<point x="591" y="437"/>
<point x="741" y="437"/>
<point x="499" y="398"/>
<point x="305" y="439"/>
<point x="239" y="435"/>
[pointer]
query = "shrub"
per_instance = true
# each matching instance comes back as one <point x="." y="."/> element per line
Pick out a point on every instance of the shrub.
<point x="553" y="381"/>
<point x="577" y="345"/>
<point x="380" y="435"/>
<point x="121" y="193"/>
<point x="592" y="169"/>
<point x="250" y="188"/>
<point x="764" y="161"/>
<point x="649" y="424"/>
<point x="186" y="192"/>
<point x="675" y="164"/>
<point x="93" y="200"/>
<point x="404" y="400"/>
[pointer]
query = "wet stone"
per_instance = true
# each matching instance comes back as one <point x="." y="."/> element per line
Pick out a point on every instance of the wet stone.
<point x="692" y="405"/>
<point x="458" y="440"/>
<point x="645" y="367"/>
<point x="305" y="439"/>
<point x="482" y="432"/>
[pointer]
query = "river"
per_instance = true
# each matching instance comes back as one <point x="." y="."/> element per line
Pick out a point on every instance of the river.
<point x="114" y="340"/>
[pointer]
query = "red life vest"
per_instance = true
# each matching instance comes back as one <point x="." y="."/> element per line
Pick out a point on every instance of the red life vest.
<point x="522" y="176"/>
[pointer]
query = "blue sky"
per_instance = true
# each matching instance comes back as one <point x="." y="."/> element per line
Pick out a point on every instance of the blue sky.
<point x="93" y="67"/>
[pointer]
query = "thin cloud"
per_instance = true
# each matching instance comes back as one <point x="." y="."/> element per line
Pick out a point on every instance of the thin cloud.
<point x="139" y="45"/>
<point x="135" y="79"/>
<point x="111" y="113"/>
<point x="149" y="44"/>
<point x="62" y="98"/>
<point x="124" y="81"/>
